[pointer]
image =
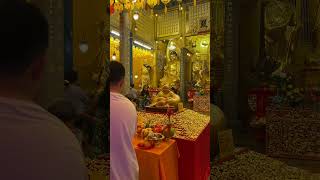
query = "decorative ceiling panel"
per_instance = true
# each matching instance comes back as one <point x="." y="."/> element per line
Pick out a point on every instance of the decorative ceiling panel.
<point x="168" y="24"/>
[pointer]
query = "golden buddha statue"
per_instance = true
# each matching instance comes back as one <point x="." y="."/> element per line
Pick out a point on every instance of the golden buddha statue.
<point x="196" y="73"/>
<point x="145" y="77"/>
<point x="165" y="98"/>
<point x="171" y="70"/>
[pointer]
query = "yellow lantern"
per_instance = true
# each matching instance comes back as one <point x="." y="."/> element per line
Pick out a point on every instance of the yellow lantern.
<point x="118" y="6"/>
<point x="165" y="2"/>
<point x="152" y="4"/>
<point x="128" y="5"/>
<point x="139" y="4"/>
<point x="123" y="1"/>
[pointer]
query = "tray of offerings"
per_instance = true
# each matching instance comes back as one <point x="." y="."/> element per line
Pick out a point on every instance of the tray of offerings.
<point x="163" y="110"/>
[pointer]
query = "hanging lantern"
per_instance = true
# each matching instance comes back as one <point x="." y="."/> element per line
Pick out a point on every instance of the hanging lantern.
<point x="152" y="4"/>
<point x="139" y="4"/>
<point x="165" y="2"/>
<point x="111" y="9"/>
<point x="128" y="6"/>
<point x="118" y="7"/>
<point x="179" y="1"/>
<point x="111" y="2"/>
<point x="123" y="1"/>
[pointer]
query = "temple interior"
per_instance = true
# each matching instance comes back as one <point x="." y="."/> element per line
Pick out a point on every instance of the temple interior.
<point x="234" y="84"/>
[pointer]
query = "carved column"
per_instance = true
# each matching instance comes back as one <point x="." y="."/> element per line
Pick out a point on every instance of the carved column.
<point x="52" y="84"/>
<point x="231" y="71"/>
<point x="125" y="47"/>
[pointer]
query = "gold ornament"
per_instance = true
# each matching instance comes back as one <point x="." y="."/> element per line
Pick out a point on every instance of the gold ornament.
<point x="139" y="4"/>
<point x="123" y="1"/>
<point x="118" y="7"/>
<point x="128" y="6"/>
<point x="152" y="4"/>
<point x="165" y="2"/>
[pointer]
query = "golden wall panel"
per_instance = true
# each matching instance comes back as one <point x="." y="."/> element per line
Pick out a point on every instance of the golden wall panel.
<point x="87" y="15"/>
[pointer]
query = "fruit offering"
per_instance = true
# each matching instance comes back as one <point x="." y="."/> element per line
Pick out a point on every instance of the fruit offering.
<point x="168" y="132"/>
<point x="158" y="128"/>
<point x="155" y="137"/>
<point x="146" y="132"/>
<point x="146" y="144"/>
<point x="140" y="127"/>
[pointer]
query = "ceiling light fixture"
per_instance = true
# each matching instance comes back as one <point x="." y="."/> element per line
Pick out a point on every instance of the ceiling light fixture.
<point x="136" y="16"/>
<point x="142" y="45"/>
<point x="114" y="56"/>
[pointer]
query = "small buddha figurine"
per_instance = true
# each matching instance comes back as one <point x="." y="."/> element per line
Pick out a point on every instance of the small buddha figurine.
<point x="165" y="98"/>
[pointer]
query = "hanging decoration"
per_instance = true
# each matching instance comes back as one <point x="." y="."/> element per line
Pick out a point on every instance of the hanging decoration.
<point x="118" y="7"/>
<point x="111" y="9"/>
<point x="133" y="5"/>
<point x="139" y="4"/>
<point x="152" y="4"/>
<point x="179" y="1"/>
<point x="195" y="2"/>
<point x="165" y="2"/>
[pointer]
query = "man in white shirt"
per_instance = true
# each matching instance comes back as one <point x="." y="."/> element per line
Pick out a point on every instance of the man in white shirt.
<point x="123" y="123"/>
<point x="35" y="145"/>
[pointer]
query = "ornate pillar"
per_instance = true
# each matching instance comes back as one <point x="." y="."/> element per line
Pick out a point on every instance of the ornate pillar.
<point x="52" y="84"/>
<point x="125" y="47"/>
<point x="231" y="64"/>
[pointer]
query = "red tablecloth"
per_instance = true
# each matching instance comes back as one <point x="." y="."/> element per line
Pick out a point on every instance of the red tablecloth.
<point x="194" y="161"/>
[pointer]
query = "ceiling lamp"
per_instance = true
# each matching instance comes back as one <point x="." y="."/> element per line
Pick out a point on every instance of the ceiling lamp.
<point x="136" y="16"/>
<point x="204" y="44"/>
<point x="116" y="33"/>
<point x="165" y="2"/>
<point x="114" y="56"/>
<point x="142" y="45"/>
<point x="83" y="46"/>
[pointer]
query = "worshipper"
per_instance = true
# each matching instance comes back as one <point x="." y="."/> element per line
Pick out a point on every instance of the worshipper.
<point x="133" y="93"/>
<point x="34" y="144"/>
<point x="75" y="94"/>
<point x="123" y="123"/>
<point x="145" y="91"/>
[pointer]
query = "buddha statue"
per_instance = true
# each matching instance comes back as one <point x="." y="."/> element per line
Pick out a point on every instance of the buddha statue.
<point x="145" y="77"/>
<point x="165" y="98"/>
<point x="171" y="70"/>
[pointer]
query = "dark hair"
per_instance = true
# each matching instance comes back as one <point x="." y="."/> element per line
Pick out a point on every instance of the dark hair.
<point x="132" y="85"/>
<point x="117" y="72"/>
<point x="24" y="35"/>
<point x="72" y="76"/>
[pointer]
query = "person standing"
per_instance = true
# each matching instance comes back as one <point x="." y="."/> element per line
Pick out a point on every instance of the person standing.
<point x="34" y="143"/>
<point x="75" y="94"/>
<point x="123" y="123"/>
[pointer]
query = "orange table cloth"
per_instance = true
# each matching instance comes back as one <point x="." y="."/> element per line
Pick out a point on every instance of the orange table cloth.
<point x="159" y="163"/>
